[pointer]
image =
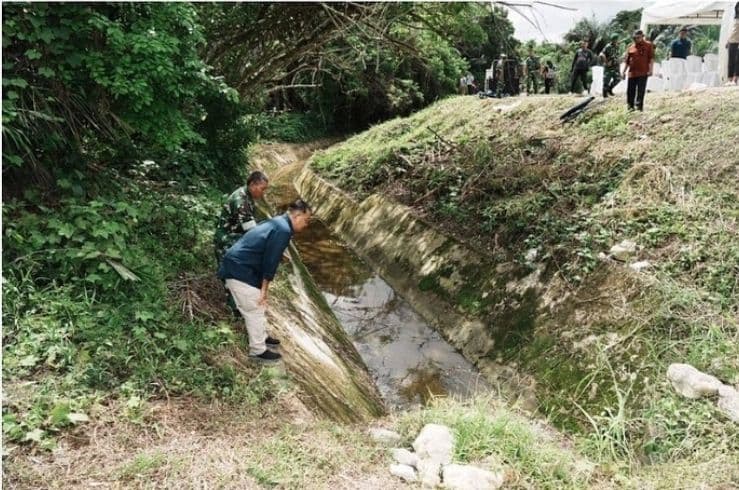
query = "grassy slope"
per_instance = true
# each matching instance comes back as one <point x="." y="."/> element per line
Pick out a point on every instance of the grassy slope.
<point x="666" y="179"/>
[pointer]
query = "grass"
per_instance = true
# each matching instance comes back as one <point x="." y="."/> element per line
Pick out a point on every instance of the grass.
<point x="489" y="434"/>
<point x="187" y="443"/>
<point x="665" y="179"/>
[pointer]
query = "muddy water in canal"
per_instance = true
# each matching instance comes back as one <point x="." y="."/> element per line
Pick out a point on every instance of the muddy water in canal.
<point x="409" y="360"/>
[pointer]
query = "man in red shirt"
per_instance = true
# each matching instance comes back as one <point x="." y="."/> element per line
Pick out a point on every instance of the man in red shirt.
<point x="639" y="62"/>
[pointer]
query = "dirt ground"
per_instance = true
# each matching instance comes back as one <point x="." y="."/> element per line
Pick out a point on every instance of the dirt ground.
<point x="183" y="443"/>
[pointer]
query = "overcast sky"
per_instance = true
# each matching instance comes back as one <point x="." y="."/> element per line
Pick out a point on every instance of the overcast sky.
<point x="556" y="22"/>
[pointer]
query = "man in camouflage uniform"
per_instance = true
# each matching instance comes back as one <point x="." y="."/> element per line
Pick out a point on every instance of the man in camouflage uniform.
<point x="610" y="57"/>
<point x="500" y="75"/>
<point x="532" y="72"/>
<point x="237" y="215"/>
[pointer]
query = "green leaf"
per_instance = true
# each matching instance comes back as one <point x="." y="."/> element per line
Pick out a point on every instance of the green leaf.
<point x="47" y="72"/>
<point x="124" y="272"/>
<point x="144" y="316"/>
<point x="14" y="160"/>
<point x="66" y="230"/>
<point x="33" y="54"/>
<point x="60" y="413"/>
<point x="17" y="82"/>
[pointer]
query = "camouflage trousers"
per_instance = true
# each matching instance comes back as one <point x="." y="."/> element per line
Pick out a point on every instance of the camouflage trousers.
<point x="611" y="77"/>
<point x="532" y="78"/>
<point x="220" y="248"/>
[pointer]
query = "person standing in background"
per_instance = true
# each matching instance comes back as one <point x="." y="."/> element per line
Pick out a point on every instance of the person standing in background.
<point x="733" y="46"/>
<point x="549" y="73"/>
<point x="238" y="213"/>
<point x="470" y="79"/>
<point x="610" y="57"/>
<point x="639" y="62"/>
<point x="581" y="65"/>
<point x="531" y="72"/>
<point x="680" y="47"/>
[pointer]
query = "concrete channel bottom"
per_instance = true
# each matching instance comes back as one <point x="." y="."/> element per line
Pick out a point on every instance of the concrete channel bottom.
<point x="409" y="361"/>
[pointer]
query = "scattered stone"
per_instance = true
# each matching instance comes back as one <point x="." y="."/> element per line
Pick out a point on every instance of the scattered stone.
<point x="435" y="443"/>
<point x="531" y="255"/>
<point x="464" y="477"/>
<point x="404" y="472"/>
<point x="602" y="256"/>
<point x="622" y="251"/>
<point x="690" y="382"/>
<point x="429" y="471"/>
<point x="384" y="436"/>
<point x="405" y="457"/>
<point x="728" y="402"/>
<point x="665" y="119"/>
<point x="640" y="266"/>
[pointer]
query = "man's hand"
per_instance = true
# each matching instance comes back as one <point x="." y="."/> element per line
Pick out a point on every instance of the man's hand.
<point x="262" y="300"/>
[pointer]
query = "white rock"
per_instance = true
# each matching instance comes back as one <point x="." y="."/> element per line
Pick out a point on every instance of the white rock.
<point x="403" y="456"/>
<point x="640" y="266"/>
<point x="429" y="471"/>
<point x="435" y="443"/>
<point x="690" y="382"/>
<point x="464" y="477"/>
<point x="623" y="250"/>
<point x="403" y="471"/>
<point x="728" y="402"/>
<point x="384" y="436"/>
<point x="531" y="254"/>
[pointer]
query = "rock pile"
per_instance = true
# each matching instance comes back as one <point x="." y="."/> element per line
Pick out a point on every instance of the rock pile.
<point x="692" y="383"/>
<point x="431" y="463"/>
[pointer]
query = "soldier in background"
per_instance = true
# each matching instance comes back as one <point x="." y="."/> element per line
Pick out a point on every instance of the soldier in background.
<point x="549" y="72"/>
<point x="610" y="57"/>
<point x="237" y="215"/>
<point x="581" y="66"/>
<point x="500" y="86"/>
<point x="532" y="72"/>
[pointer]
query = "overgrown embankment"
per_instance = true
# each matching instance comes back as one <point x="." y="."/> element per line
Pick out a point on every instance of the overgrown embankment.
<point x="509" y="181"/>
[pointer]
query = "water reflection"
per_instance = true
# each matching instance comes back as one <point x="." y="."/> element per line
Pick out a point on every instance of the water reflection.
<point x="409" y="360"/>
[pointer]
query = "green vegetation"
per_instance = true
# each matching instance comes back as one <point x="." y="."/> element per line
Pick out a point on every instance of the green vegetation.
<point x="487" y="432"/>
<point x="599" y="357"/>
<point x="123" y="124"/>
<point x="351" y="64"/>
<point x="105" y="299"/>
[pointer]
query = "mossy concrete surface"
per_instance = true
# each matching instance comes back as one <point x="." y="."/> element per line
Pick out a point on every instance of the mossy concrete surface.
<point x="447" y="283"/>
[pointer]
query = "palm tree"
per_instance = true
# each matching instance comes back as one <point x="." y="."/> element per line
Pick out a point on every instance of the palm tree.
<point x="591" y="30"/>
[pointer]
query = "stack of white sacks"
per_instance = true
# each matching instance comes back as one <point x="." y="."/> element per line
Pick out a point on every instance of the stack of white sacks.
<point x="680" y="74"/>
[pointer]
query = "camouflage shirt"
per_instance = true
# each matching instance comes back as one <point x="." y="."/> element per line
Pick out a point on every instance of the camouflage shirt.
<point x="611" y="55"/>
<point x="532" y="64"/>
<point x="237" y="217"/>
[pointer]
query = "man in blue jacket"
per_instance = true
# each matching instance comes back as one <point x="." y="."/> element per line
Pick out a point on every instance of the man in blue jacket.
<point x="680" y="47"/>
<point x="250" y="265"/>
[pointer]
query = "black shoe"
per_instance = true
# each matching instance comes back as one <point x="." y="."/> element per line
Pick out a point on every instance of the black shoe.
<point x="272" y="341"/>
<point x="268" y="355"/>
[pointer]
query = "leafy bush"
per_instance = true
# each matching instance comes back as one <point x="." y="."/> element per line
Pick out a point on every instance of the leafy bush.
<point x="292" y="127"/>
<point x="89" y="307"/>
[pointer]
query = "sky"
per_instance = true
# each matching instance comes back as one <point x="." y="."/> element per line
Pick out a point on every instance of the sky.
<point x="556" y="22"/>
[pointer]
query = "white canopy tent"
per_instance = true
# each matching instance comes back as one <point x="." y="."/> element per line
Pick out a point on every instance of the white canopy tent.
<point x="700" y="12"/>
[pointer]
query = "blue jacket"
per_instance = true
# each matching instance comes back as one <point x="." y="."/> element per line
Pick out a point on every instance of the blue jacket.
<point x="680" y="48"/>
<point x="256" y="255"/>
